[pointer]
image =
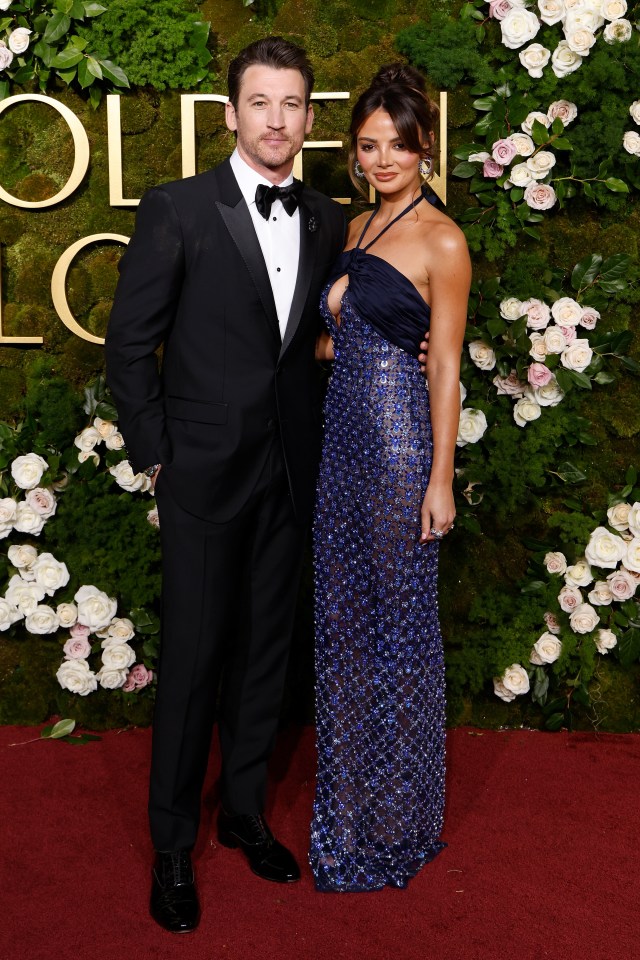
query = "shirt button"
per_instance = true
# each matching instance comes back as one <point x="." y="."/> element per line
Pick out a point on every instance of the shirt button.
<point x="275" y="218"/>
<point x="278" y="269"/>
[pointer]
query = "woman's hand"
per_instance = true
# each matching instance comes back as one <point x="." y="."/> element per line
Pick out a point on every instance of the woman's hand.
<point x="438" y="512"/>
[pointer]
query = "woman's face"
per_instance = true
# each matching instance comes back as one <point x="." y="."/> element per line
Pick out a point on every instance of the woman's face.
<point x="387" y="164"/>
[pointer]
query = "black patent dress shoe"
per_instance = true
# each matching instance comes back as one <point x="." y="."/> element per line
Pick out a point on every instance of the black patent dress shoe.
<point x="267" y="858"/>
<point x="174" y="900"/>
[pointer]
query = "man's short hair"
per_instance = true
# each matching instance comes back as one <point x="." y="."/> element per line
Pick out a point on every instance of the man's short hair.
<point x="269" y="52"/>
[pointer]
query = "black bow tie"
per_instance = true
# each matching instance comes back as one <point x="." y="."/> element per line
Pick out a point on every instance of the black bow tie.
<point x="289" y="196"/>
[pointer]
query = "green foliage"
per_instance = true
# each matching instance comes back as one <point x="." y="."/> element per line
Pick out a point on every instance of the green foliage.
<point x="163" y="44"/>
<point x="446" y="50"/>
<point x="60" y="44"/>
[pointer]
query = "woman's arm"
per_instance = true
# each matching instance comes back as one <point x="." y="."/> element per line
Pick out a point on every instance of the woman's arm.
<point x="324" y="347"/>
<point x="450" y="279"/>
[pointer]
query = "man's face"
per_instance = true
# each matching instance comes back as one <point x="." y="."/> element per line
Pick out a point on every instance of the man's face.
<point x="271" y="119"/>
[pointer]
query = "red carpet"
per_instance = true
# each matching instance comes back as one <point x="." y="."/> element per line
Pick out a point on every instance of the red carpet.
<point x="542" y="860"/>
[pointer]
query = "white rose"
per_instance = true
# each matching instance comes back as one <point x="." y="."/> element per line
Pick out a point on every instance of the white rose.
<point x="67" y="614"/>
<point x="19" y="40"/>
<point x="511" y="308"/>
<point x="8" y="508"/>
<point x="23" y="556"/>
<point x="524" y="144"/>
<point x="601" y="594"/>
<point x="622" y="585"/>
<point x="589" y="317"/>
<point x="27" y="470"/>
<point x="518" y="27"/>
<point x="87" y="440"/>
<point x="6" y="57"/>
<point x="95" y="609"/>
<point x="527" y="124"/>
<point x="618" y="516"/>
<point x="555" y="562"/>
<point x="519" y="176"/>
<point x="584" y="619"/>
<point x="632" y="560"/>
<point x="525" y="410"/>
<point x="618" y="31"/>
<point x="589" y="17"/>
<point x="120" y="656"/>
<point x="538" y="347"/>
<point x="471" y="427"/>
<point x="479" y="157"/>
<point x="633" y="518"/>
<point x="27" y="520"/>
<point x="634" y="110"/>
<point x="614" y="9"/>
<point x="577" y="355"/>
<point x="580" y="40"/>
<point x="549" y="395"/>
<point x="551" y="11"/>
<point x="605" y="549"/>
<point x="554" y="339"/>
<point x="154" y="517"/>
<point x="77" y="676"/>
<point x="534" y="59"/>
<point x="605" y="640"/>
<point x="501" y="691"/>
<point x="540" y="164"/>
<point x="540" y="196"/>
<point x="566" y="312"/>
<point x="538" y="313"/>
<point x="482" y="355"/>
<point x="85" y="455"/>
<point x="515" y="679"/>
<point x="564" y="60"/>
<point x="547" y="649"/>
<point x="111" y="679"/>
<point x="42" y="620"/>
<point x="24" y="594"/>
<point x="43" y="501"/>
<point x="114" y="442"/>
<point x="564" y="109"/>
<point x="126" y="478"/>
<point x="579" y="574"/>
<point x="9" y="614"/>
<point x="106" y="428"/>
<point x="120" y="630"/>
<point x="631" y="142"/>
<point x="569" y="599"/>
<point x="50" y="573"/>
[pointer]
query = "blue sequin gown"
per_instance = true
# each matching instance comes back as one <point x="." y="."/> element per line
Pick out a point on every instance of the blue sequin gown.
<point x="379" y="663"/>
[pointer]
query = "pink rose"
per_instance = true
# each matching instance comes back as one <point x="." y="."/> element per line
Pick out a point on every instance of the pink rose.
<point x="510" y="386"/>
<point x="538" y="313"/>
<point x="491" y="169"/>
<point x="539" y="196"/>
<point x="42" y="501"/>
<point x="622" y="585"/>
<point x="503" y="151"/>
<point x="129" y="685"/>
<point x="589" y="318"/>
<point x="77" y="648"/>
<point x="552" y="622"/>
<point x="137" y="678"/>
<point x="569" y="599"/>
<point x="78" y="630"/>
<point x="498" y="9"/>
<point x="539" y="375"/>
<point x="570" y="334"/>
<point x="153" y="517"/>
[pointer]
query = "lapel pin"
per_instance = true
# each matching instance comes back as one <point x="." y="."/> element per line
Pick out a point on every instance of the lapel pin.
<point x="313" y="224"/>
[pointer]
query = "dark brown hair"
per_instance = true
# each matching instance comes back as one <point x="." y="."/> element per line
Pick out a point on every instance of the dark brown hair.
<point x="269" y="52"/>
<point x="401" y="92"/>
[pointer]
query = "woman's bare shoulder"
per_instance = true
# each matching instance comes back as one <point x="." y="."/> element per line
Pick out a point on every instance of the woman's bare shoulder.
<point x="443" y="235"/>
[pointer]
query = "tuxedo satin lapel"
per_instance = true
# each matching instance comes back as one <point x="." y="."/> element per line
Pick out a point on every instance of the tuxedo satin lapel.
<point x="308" y="246"/>
<point x="235" y="213"/>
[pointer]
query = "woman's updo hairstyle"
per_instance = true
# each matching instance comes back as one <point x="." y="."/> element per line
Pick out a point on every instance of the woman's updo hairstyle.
<point x="401" y="92"/>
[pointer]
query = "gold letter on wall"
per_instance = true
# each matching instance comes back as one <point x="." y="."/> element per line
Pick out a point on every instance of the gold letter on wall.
<point x="59" y="279"/>
<point x="114" y="140"/>
<point x="80" y="143"/>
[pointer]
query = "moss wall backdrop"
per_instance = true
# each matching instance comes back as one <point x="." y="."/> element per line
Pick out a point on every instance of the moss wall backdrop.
<point x="524" y="505"/>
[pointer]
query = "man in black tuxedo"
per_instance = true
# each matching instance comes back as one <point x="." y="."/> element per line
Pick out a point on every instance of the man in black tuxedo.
<point x="225" y="271"/>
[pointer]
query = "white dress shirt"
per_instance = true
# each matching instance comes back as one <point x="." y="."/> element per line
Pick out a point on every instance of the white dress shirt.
<point x="279" y="237"/>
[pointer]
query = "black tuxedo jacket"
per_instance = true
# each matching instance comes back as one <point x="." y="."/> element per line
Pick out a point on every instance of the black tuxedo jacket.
<point x="194" y="280"/>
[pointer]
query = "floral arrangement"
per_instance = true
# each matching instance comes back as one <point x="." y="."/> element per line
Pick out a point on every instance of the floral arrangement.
<point x="85" y="620"/>
<point x="40" y="39"/>
<point x="580" y="21"/>
<point x="595" y="611"/>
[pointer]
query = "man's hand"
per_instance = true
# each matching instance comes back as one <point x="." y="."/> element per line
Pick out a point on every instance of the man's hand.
<point x="422" y="356"/>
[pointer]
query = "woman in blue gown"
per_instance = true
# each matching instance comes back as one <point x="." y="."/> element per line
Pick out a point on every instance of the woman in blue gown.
<point x="384" y="502"/>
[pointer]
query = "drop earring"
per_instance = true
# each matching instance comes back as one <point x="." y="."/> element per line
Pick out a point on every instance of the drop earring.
<point x="425" y="167"/>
